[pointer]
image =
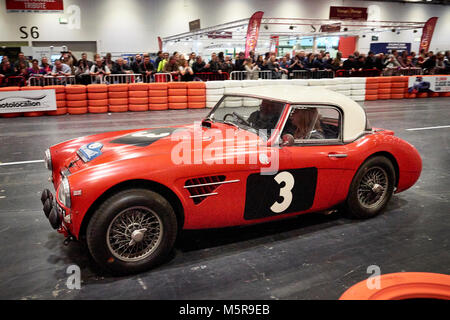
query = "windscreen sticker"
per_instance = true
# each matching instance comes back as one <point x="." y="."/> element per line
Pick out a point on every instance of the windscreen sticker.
<point x="146" y="137"/>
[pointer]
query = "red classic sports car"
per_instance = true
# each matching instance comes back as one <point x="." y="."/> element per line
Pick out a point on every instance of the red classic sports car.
<point x="261" y="154"/>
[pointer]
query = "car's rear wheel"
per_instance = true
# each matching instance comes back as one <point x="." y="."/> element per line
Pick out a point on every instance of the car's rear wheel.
<point x="371" y="188"/>
<point x="132" y="231"/>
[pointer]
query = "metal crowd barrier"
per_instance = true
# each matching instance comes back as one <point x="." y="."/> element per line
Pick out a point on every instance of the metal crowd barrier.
<point x="307" y="74"/>
<point x="51" y="80"/>
<point x="358" y="73"/>
<point x="411" y="71"/>
<point x="160" y="77"/>
<point x="15" y="81"/>
<point x="212" y="76"/>
<point x="242" y="75"/>
<point x="123" y="78"/>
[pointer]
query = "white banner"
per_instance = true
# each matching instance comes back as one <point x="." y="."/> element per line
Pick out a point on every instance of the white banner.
<point x="428" y="84"/>
<point x="27" y="101"/>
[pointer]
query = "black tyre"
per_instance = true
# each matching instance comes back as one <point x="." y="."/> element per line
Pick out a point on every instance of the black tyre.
<point x="132" y="231"/>
<point x="371" y="188"/>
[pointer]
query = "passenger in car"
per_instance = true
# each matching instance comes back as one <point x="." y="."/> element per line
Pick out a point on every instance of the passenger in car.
<point x="303" y="124"/>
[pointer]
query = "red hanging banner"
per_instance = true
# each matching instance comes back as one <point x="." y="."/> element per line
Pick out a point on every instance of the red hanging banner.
<point x="427" y="34"/>
<point x="160" y="44"/>
<point x="34" y="5"/>
<point x="253" y="32"/>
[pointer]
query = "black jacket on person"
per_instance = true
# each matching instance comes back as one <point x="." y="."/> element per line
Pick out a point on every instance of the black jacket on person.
<point x="120" y="69"/>
<point x="135" y="66"/>
<point x="239" y="65"/>
<point x="214" y="66"/>
<point x="348" y="64"/>
<point x="370" y="63"/>
<point x="198" y="67"/>
<point x="8" y="72"/>
<point x="144" y="67"/>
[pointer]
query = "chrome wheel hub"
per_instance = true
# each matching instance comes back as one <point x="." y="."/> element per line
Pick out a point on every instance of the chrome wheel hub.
<point x="372" y="189"/>
<point x="134" y="234"/>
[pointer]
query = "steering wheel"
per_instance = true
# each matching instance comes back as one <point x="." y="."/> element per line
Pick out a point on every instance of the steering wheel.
<point x="241" y="119"/>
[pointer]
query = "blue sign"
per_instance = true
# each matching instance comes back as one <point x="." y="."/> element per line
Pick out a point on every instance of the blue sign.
<point x="387" y="47"/>
<point x="90" y="151"/>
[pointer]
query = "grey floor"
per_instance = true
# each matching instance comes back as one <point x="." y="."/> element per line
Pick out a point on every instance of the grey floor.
<point x="309" y="257"/>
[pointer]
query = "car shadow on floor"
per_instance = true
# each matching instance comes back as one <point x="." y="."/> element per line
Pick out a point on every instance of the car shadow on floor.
<point x="193" y="246"/>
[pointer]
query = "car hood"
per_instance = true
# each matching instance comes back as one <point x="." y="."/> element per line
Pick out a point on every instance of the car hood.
<point x="115" y="146"/>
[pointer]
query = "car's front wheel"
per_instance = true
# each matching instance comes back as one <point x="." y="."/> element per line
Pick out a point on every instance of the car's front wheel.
<point x="132" y="231"/>
<point x="371" y="188"/>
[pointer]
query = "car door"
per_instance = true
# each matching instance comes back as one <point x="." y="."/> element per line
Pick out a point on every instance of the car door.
<point x="308" y="173"/>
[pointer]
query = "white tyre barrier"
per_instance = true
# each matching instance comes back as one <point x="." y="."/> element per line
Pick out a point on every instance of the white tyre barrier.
<point x="358" y="92"/>
<point x="213" y="97"/>
<point x="358" y="98"/>
<point x="233" y="104"/>
<point x="219" y="91"/>
<point x="214" y="84"/>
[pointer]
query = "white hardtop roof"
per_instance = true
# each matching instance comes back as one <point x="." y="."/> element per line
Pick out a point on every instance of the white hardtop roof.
<point x="354" y="115"/>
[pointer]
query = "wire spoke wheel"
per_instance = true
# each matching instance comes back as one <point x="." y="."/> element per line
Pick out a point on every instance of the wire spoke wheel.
<point x="134" y="234"/>
<point x="373" y="187"/>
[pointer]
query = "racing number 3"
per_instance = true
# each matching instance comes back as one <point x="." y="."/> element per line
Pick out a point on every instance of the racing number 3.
<point x="285" y="191"/>
<point x="291" y="190"/>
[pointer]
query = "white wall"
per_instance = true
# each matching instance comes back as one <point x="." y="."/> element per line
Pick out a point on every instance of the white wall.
<point x="133" y="25"/>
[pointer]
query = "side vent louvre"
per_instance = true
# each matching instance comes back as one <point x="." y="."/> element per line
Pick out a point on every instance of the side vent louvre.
<point x="201" y="188"/>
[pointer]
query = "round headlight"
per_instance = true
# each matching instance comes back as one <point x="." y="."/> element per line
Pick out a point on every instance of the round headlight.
<point x="48" y="159"/>
<point x="64" y="193"/>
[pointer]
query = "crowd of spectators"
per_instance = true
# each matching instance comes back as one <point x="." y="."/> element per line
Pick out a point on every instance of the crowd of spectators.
<point x="188" y="67"/>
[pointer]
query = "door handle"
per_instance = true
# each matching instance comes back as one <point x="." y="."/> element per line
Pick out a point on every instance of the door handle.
<point x="337" y="155"/>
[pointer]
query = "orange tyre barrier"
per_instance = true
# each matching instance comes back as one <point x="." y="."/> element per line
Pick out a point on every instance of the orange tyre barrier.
<point x="118" y="108"/>
<point x="119" y="94"/>
<point x="444" y="94"/>
<point x="196" y="92"/>
<point x="75" y="89"/>
<point x="77" y="110"/>
<point x="397" y="90"/>
<point x="196" y="85"/>
<point x="138" y="107"/>
<point x="97" y="95"/>
<point x="138" y="87"/>
<point x="138" y="94"/>
<point x="31" y="88"/>
<point x="384" y="85"/>
<point x="398" y="84"/>
<point x="60" y="96"/>
<point x="158" y="106"/>
<point x="422" y="95"/>
<point x="177" y="85"/>
<point x="57" y="112"/>
<point x="76" y="96"/>
<point x="119" y="101"/>
<point x="410" y="95"/>
<point x="384" y="96"/>
<point x="372" y="80"/>
<point x="98" y="103"/>
<point x="384" y="91"/>
<point x="402" y="286"/>
<point x="372" y="97"/>
<point x="10" y="89"/>
<point x="97" y="88"/>
<point x="11" y="115"/>
<point x="98" y="109"/>
<point x="434" y="94"/>
<point x="157" y="93"/>
<point x="178" y="106"/>
<point x="57" y="88"/>
<point x="77" y="104"/>
<point x="397" y="95"/>
<point x="177" y="92"/>
<point x="118" y="87"/>
<point x="138" y="100"/>
<point x="372" y="86"/>
<point x="371" y="91"/>
<point x="203" y="98"/>
<point x="178" y="99"/>
<point x="61" y="103"/>
<point x="157" y="100"/>
<point x="157" y="86"/>
<point x="384" y="79"/>
<point x="34" y="114"/>
<point x="197" y="105"/>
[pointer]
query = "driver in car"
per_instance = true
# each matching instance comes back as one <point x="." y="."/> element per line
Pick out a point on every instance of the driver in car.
<point x="266" y="117"/>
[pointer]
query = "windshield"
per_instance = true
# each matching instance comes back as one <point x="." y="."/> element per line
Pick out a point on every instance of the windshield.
<point x="256" y="115"/>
